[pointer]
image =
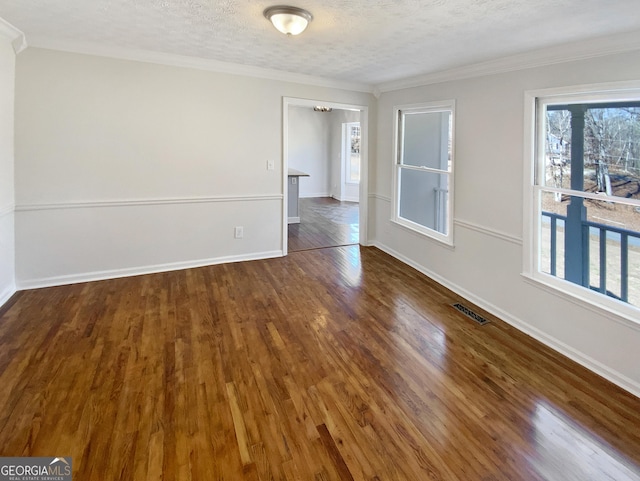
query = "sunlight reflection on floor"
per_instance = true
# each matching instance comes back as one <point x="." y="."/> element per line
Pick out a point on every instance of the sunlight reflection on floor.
<point x="351" y="271"/>
<point x="567" y="451"/>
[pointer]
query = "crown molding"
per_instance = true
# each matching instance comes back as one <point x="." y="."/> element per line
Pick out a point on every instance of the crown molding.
<point x="579" y="50"/>
<point x="197" y="63"/>
<point x="585" y="49"/>
<point x="17" y="38"/>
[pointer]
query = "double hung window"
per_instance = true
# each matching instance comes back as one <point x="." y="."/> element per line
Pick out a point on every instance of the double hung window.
<point x="424" y="156"/>
<point x="585" y="212"/>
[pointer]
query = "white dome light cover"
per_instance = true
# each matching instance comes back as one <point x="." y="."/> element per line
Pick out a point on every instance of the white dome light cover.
<point x="288" y="20"/>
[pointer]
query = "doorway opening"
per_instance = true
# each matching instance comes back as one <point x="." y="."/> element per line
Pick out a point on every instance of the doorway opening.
<point x="325" y="167"/>
<point x="325" y="222"/>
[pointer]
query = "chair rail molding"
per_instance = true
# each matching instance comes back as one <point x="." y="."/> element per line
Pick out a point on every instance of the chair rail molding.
<point x="145" y="202"/>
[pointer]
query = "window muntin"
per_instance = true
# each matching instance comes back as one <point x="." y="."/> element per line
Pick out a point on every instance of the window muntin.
<point x="587" y="195"/>
<point x="424" y="169"/>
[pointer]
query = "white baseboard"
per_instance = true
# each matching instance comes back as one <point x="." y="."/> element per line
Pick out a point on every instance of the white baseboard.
<point x="315" y="195"/>
<point x="137" y="271"/>
<point x="6" y="294"/>
<point x="346" y="199"/>
<point x="593" y="365"/>
<point x="383" y="198"/>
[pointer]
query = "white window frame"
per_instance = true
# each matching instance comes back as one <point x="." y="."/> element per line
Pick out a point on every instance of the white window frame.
<point x="427" y="107"/>
<point x="534" y="145"/>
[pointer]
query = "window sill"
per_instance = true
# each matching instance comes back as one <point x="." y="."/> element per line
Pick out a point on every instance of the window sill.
<point x="423" y="233"/>
<point x="618" y="311"/>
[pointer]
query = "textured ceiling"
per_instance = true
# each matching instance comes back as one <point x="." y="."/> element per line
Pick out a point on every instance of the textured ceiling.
<point x="364" y="41"/>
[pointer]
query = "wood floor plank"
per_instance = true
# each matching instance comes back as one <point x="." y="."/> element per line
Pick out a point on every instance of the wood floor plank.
<point x="332" y="364"/>
<point x="324" y="222"/>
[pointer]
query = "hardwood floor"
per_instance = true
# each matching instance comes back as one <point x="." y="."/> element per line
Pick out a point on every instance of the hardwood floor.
<point x="331" y="364"/>
<point x="325" y="222"/>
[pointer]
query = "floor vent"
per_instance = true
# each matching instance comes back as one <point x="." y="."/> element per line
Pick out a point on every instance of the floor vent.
<point x="469" y="313"/>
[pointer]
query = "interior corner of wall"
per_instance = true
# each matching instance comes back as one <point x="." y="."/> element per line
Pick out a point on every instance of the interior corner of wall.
<point x="19" y="44"/>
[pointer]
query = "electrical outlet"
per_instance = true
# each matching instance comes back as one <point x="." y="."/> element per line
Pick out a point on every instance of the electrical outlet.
<point x="271" y="165"/>
<point x="294" y="180"/>
<point x="238" y="232"/>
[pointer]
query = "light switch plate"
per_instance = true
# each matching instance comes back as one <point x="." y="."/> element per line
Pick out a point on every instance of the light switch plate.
<point x="271" y="165"/>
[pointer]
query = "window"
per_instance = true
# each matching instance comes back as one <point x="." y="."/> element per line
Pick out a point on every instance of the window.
<point x="353" y="152"/>
<point x="423" y="171"/>
<point x="585" y="215"/>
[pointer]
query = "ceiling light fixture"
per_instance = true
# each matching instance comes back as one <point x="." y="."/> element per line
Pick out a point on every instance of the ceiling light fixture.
<point x="322" y="108"/>
<point x="288" y="20"/>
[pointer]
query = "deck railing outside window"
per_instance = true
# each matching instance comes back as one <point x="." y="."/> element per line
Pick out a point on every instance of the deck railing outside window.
<point x="605" y="259"/>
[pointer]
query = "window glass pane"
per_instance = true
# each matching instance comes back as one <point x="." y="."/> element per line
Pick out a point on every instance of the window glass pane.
<point x="426" y="140"/>
<point x="611" y="145"/>
<point x="634" y="273"/>
<point x="614" y="249"/>
<point x="424" y="197"/>
<point x="612" y="151"/>
<point x="558" y="149"/>
<point x="609" y="252"/>
<point x="613" y="215"/>
<point x="353" y="167"/>
<point x="552" y="229"/>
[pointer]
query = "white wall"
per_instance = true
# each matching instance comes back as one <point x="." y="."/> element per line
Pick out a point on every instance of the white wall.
<point x="125" y="167"/>
<point x="486" y="263"/>
<point x="7" y="235"/>
<point x="309" y="149"/>
<point x="349" y="192"/>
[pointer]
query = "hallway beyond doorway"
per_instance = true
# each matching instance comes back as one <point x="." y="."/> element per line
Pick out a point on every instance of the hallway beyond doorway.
<point x="324" y="222"/>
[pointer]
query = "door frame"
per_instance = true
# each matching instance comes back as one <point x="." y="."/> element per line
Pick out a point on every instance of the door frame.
<point x="364" y="161"/>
